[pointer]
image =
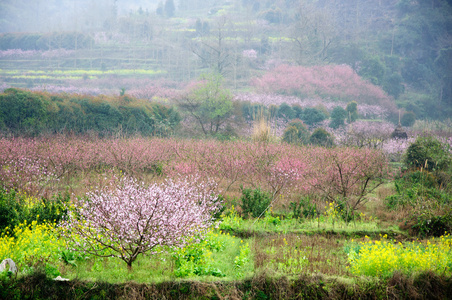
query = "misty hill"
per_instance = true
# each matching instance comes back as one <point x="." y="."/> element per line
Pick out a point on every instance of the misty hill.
<point x="402" y="46"/>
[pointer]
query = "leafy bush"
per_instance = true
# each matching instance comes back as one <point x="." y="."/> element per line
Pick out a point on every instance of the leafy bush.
<point x="428" y="224"/>
<point x="428" y="153"/>
<point x="254" y="202"/>
<point x="321" y="137"/>
<point x="393" y="85"/>
<point x="415" y="188"/>
<point x="296" y="133"/>
<point x="298" y="111"/>
<point x="286" y="112"/>
<point x="9" y="208"/>
<point x="252" y="111"/>
<point x="352" y="110"/>
<point x="33" y="113"/>
<point x="17" y="208"/>
<point x="304" y="208"/>
<point x="312" y="115"/>
<point x="337" y="117"/>
<point x="24" y="112"/>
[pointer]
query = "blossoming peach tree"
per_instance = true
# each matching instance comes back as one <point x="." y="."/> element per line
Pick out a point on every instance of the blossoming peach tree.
<point x="128" y="218"/>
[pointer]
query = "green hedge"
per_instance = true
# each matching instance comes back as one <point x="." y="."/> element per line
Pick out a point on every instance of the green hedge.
<point x="28" y="113"/>
<point x="45" y="41"/>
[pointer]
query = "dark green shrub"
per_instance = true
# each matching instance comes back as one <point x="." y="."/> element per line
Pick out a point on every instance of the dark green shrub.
<point x="32" y="113"/>
<point x="321" y="137"/>
<point x="419" y="177"/>
<point x="254" y="201"/>
<point x="312" y="115"/>
<point x="9" y="209"/>
<point x="338" y="116"/>
<point x="296" y="133"/>
<point x="286" y="112"/>
<point x="252" y="110"/>
<point x="14" y="209"/>
<point x="298" y="111"/>
<point x="24" y="112"/>
<point x="303" y="209"/>
<point x="352" y="111"/>
<point x="290" y="135"/>
<point x="408" y="119"/>
<point x="428" y="153"/>
<point x="415" y="188"/>
<point x="165" y="120"/>
<point x="428" y="224"/>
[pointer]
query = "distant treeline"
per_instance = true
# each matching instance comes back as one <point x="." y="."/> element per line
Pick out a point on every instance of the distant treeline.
<point x="45" y="41"/>
<point x="25" y="113"/>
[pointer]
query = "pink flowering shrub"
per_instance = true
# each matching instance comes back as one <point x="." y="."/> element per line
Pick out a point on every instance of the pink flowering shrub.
<point x="338" y="82"/>
<point x="276" y="168"/>
<point x="129" y="219"/>
<point x="25" y="175"/>
<point x="367" y="111"/>
<point x="346" y="174"/>
<point x="367" y="134"/>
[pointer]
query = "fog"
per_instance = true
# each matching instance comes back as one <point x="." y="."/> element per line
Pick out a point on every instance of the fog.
<point x="401" y="46"/>
<point x="56" y="15"/>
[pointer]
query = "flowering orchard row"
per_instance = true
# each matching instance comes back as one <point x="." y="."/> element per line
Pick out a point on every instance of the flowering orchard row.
<point x="19" y="53"/>
<point x="278" y="168"/>
<point x="367" y="111"/>
<point x="332" y="81"/>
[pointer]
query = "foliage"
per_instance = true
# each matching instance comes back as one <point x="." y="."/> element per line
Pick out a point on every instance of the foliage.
<point x="393" y="85"/>
<point x="244" y="256"/>
<point x="32" y="113"/>
<point x="169" y="8"/>
<point x="429" y="224"/>
<point x="321" y="137"/>
<point x="408" y="119"/>
<point x="384" y="257"/>
<point x="16" y="208"/>
<point x="296" y="133"/>
<point x="372" y="69"/>
<point x="129" y="219"/>
<point x="208" y="102"/>
<point x="9" y="206"/>
<point x="417" y="188"/>
<point x="429" y="153"/>
<point x="286" y="112"/>
<point x="252" y="111"/>
<point x="32" y="246"/>
<point x="312" y="115"/>
<point x="254" y="202"/>
<point x="304" y="208"/>
<point x="338" y="116"/>
<point x="352" y="110"/>
<point x="231" y="221"/>
<point x="24" y="112"/>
